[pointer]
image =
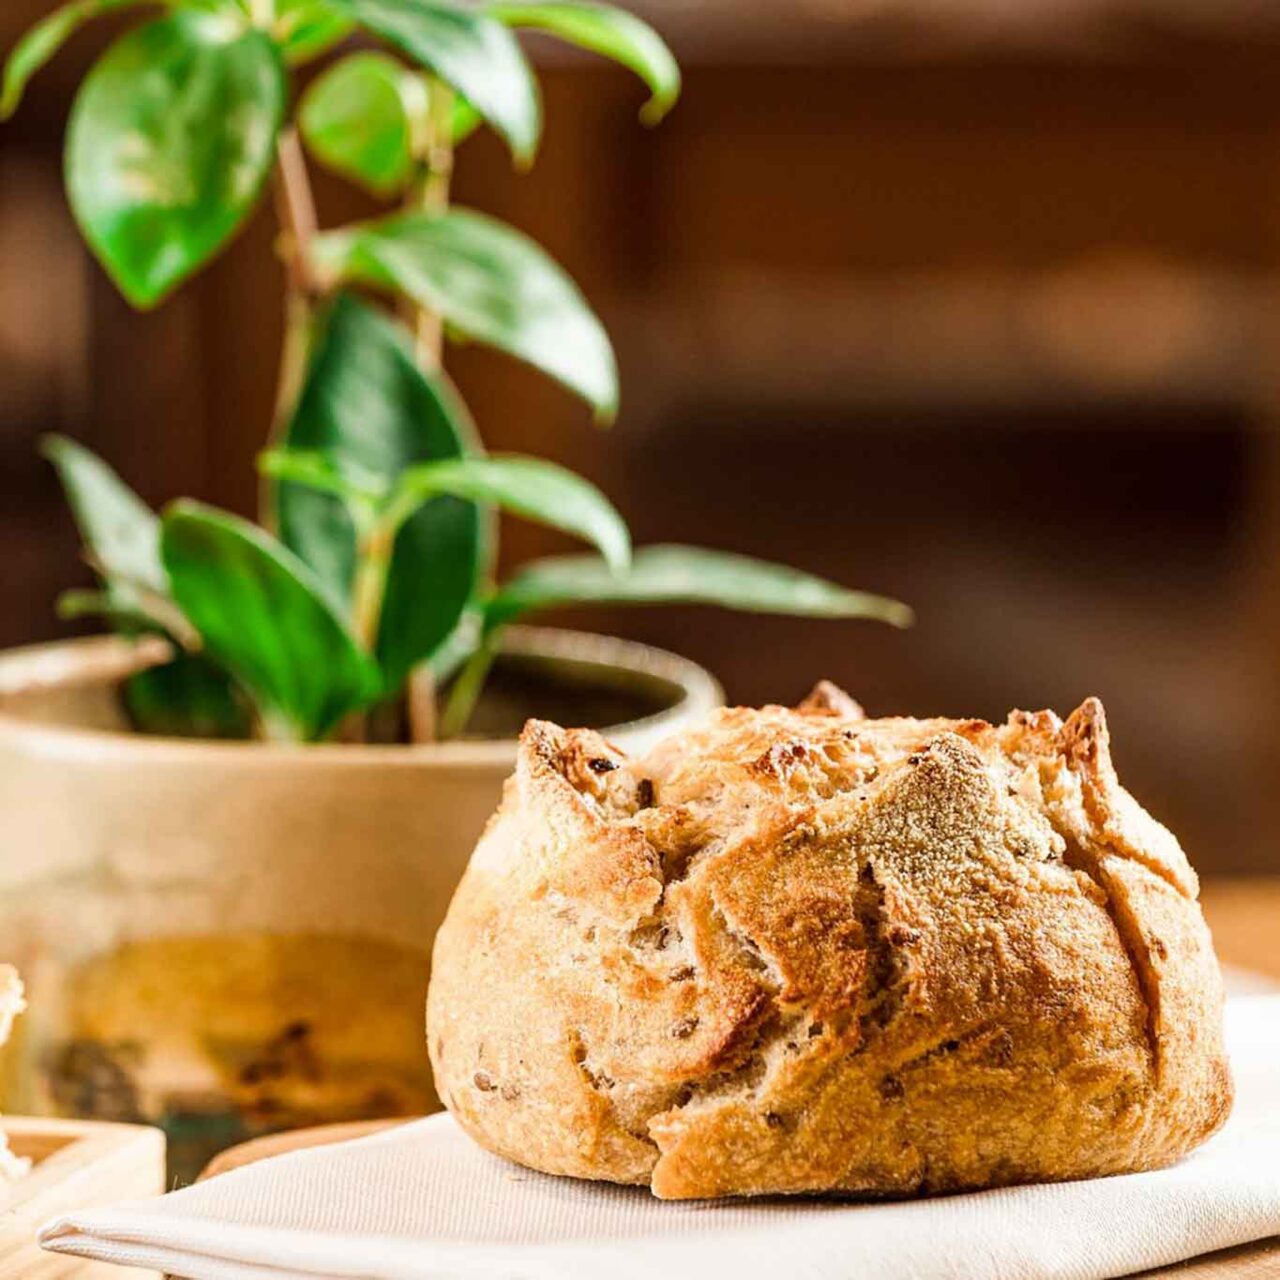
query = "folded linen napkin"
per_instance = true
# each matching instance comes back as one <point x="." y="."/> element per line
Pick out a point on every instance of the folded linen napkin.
<point x="422" y="1202"/>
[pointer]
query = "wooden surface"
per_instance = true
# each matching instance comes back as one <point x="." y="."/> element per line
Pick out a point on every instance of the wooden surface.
<point x="76" y="1164"/>
<point x="1244" y="915"/>
<point x="1249" y="1262"/>
<point x="278" y="1144"/>
<point x="1245" y="918"/>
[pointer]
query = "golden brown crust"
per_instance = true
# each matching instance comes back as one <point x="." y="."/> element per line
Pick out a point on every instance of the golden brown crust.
<point x="795" y="950"/>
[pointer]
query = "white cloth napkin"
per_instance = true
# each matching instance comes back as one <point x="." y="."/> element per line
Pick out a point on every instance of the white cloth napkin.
<point x="422" y="1202"/>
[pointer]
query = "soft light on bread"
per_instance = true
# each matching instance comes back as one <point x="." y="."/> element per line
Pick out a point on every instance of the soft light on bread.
<point x="803" y="951"/>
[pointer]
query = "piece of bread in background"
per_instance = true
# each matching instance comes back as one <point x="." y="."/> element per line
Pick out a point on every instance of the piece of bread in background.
<point x="797" y="950"/>
<point x="11" y="1004"/>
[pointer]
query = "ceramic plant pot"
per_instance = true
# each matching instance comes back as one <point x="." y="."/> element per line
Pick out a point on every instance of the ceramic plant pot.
<point x="232" y="938"/>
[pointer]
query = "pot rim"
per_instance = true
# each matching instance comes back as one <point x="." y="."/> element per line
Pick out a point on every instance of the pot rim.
<point x="89" y="660"/>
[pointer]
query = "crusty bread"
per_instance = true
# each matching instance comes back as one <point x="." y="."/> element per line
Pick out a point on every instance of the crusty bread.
<point x="802" y="951"/>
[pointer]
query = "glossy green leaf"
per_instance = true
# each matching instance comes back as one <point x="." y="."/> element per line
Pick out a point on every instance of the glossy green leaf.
<point x="365" y="119"/>
<point x="526" y="487"/>
<point x="172" y="137"/>
<point x="44" y="40"/>
<point x="686" y="575"/>
<point x="372" y="412"/>
<point x="468" y="50"/>
<point x="489" y="282"/>
<point x="615" y="33"/>
<point x="266" y="618"/>
<point x="306" y="29"/>
<point x="120" y="532"/>
<point x="189" y="697"/>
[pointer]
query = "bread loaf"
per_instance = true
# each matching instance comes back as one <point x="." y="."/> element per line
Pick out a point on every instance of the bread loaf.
<point x="797" y="950"/>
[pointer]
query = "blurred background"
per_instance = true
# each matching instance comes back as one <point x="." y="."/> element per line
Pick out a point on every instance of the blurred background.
<point x="971" y="302"/>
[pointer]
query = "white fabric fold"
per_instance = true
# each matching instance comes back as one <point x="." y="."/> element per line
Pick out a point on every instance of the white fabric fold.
<point x="422" y="1202"/>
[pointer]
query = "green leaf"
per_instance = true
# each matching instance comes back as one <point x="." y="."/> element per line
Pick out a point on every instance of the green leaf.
<point x="461" y="645"/>
<point x="265" y="617"/>
<point x="364" y="118"/>
<point x="686" y="575"/>
<point x="121" y="536"/>
<point x="75" y="604"/>
<point x="44" y="40"/>
<point x="369" y="408"/>
<point x="186" y="698"/>
<point x="131" y="613"/>
<point x="489" y="282"/>
<point x="470" y="51"/>
<point x="615" y="33"/>
<point x="305" y="29"/>
<point x="526" y="487"/>
<point x="341" y="476"/>
<point x="466" y="119"/>
<point x="172" y="137"/>
<point x="120" y="532"/>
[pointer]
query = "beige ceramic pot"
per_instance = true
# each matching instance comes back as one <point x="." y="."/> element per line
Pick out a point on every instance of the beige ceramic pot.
<point x="231" y="938"/>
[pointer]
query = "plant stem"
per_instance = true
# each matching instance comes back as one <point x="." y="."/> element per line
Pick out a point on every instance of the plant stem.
<point x="466" y="688"/>
<point x="277" y="729"/>
<point x="293" y="358"/>
<point x="430" y="194"/>
<point x="373" y="564"/>
<point x="420" y="704"/>
<point x="296" y="213"/>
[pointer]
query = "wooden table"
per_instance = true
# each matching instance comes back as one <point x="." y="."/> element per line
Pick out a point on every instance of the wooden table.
<point x="1245" y="918"/>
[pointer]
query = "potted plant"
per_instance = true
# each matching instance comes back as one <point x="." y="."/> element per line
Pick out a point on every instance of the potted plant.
<point x="235" y="823"/>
